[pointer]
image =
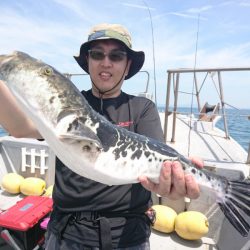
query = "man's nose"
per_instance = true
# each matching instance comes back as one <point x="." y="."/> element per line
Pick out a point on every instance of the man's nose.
<point x="106" y="61"/>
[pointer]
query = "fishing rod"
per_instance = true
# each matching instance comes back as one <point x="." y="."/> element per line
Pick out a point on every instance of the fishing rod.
<point x="153" y="49"/>
<point x="195" y="62"/>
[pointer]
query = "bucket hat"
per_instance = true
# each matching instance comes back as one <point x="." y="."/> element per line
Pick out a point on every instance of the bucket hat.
<point x="116" y="32"/>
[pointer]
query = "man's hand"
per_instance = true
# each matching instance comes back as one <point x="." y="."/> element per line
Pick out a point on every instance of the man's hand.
<point x="174" y="183"/>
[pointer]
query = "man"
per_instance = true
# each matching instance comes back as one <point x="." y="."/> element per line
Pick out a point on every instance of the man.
<point x="91" y="215"/>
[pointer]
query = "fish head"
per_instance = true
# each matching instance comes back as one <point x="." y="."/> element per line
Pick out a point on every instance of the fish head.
<point x="20" y="63"/>
<point x="38" y="85"/>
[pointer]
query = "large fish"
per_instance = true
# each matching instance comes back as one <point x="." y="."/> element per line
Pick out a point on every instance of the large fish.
<point x="93" y="147"/>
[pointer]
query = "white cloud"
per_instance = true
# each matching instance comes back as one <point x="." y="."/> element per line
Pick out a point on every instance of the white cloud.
<point x="244" y="4"/>
<point x="77" y="7"/>
<point x="199" y="10"/>
<point x="137" y="6"/>
<point x="186" y="15"/>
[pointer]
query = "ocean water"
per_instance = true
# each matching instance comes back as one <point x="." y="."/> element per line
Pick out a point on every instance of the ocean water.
<point x="238" y="122"/>
<point x="238" y="125"/>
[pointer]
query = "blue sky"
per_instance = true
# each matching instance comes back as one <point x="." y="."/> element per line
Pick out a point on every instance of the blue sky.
<point x="52" y="30"/>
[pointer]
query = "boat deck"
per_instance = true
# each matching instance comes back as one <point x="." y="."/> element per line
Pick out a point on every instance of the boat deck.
<point x="208" y="142"/>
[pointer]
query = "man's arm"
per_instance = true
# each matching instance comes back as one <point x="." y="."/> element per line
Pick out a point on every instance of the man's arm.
<point x="12" y="117"/>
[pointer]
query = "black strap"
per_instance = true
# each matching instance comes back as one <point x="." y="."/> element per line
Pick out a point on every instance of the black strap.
<point x="105" y="233"/>
<point x="105" y="237"/>
<point x="59" y="228"/>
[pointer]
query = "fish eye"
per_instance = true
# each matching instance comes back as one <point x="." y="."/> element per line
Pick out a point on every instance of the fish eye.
<point x="47" y="71"/>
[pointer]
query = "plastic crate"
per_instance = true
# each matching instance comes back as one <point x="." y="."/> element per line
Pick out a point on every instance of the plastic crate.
<point x="23" y="220"/>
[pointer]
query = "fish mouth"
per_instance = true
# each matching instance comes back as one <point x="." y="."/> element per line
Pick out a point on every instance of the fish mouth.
<point x="5" y="59"/>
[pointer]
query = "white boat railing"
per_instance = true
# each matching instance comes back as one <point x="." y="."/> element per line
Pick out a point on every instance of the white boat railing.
<point x="174" y="75"/>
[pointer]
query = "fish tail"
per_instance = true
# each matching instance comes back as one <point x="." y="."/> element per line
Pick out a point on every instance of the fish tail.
<point x="237" y="199"/>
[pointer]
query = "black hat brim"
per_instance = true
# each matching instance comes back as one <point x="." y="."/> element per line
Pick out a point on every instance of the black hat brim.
<point x="137" y="59"/>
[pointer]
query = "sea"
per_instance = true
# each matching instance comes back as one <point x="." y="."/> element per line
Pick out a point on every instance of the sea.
<point x="238" y="125"/>
<point x="238" y="122"/>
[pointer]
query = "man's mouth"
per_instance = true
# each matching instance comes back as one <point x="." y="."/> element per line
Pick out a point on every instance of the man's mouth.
<point x="105" y="75"/>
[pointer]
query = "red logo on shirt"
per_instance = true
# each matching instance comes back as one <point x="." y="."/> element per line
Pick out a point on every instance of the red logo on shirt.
<point x="125" y="124"/>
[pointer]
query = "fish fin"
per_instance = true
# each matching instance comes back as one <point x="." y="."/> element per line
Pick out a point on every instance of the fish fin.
<point x="72" y="137"/>
<point x="239" y="193"/>
<point x="235" y="218"/>
<point x="72" y="128"/>
<point x="236" y="199"/>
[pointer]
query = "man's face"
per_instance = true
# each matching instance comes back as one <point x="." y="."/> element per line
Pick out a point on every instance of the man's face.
<point x="107" y="72"/>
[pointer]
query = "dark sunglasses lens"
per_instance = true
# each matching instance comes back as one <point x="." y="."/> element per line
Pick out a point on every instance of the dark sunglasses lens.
<point x="117" y="56"/>
<point x="114" y="56"/>
<point x="96" y="55"/>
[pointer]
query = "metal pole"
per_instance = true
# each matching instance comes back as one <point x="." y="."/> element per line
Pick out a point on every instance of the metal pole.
<point x="176" y="89"/>
<point x="167" y="106"/>
<point x="223" y="105"/>
<point x="248" y="155"/>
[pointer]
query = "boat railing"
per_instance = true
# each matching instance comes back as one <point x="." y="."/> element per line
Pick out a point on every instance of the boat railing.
<point x="27" y="157"/>
<point x="174" y="77"/>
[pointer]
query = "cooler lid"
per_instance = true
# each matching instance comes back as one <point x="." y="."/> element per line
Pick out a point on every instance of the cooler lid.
<point x="26" y="213"/>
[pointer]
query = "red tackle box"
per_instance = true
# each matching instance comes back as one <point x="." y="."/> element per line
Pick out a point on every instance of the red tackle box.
<point x="23" y="220"/>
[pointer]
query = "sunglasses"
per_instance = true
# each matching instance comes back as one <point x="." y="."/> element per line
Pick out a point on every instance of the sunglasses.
<point x="113" y="55"/>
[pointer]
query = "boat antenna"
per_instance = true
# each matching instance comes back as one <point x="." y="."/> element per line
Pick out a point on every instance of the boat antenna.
<point x="195" y="62"/>
<point x="153" y="49"/>
<point x="197" y="39"/>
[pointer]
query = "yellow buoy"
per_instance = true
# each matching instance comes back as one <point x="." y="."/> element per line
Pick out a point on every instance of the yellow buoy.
<point x="165" y="218"/>
<point x="191" y="225"/>
<point x="11" y="183"/>
<point x="49" y="191"/>
<point x="33" y="186"/>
